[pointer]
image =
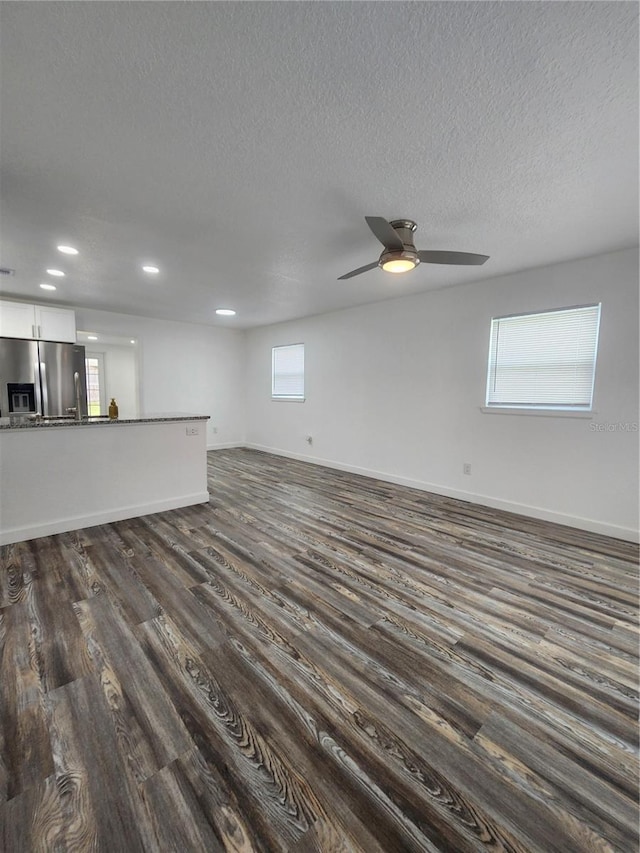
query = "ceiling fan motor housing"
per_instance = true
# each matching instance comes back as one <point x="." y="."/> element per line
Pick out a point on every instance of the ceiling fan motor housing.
<point x="405" y="229"/>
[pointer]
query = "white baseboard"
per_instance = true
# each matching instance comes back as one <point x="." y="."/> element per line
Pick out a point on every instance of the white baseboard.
<point x="63" y="525"/>
<point x="629" y="534"/>
<point x="226" y="446"/>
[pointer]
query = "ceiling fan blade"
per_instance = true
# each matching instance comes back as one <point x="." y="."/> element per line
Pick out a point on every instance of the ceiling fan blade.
<point x="466" y="258"/>
<point x="358" y="271"/>
<point x="387" y="235"/>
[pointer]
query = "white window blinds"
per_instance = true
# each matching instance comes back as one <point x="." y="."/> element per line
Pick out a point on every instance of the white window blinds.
<point x="287" y="381"/>
<point x="545" y="360"/>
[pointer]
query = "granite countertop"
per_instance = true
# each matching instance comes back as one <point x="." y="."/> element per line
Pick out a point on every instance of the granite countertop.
<point x="163" y="417"/>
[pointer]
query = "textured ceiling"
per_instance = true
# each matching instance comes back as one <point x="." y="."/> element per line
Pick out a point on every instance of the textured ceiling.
<point x="240" y="145"/>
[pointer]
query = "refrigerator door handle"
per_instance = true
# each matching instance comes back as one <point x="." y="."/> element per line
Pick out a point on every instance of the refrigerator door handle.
<point x="36" y="380"/>
<point x="45" y="394"/>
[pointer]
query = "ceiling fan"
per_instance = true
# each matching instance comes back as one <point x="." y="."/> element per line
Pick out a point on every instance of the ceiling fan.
<point x="400" y="255"/>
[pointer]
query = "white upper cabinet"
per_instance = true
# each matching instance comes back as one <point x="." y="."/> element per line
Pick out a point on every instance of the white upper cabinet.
<point x="16" y="320"/>
<point x="37" y="322"/>
<point x="55" y="324"/>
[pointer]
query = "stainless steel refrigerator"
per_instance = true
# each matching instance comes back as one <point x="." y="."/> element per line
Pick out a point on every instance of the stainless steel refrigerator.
<point x="38" y="377"/>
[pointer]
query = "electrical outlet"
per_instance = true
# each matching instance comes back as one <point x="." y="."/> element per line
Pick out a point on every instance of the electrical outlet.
<point x="215" y="430"/>
<point x="466" y="468"/>
<point x="193" y="430"/>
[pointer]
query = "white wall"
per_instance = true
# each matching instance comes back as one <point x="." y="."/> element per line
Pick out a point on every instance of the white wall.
<point x="184" y="367"/>
<point x="121" y="376"/>
<point x="394" y="389"/>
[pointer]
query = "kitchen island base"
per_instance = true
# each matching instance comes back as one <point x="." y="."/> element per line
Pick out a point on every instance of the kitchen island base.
<point x="59" y="478"/>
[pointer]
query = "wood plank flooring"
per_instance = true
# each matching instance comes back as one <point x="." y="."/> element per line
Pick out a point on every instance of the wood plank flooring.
<point x="316" y="661"/>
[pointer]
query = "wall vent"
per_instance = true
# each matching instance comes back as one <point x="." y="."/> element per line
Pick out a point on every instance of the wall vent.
<point x="7" y="271"/>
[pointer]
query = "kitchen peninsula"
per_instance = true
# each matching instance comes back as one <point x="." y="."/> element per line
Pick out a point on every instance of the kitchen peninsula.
<point x="63" y="475"/>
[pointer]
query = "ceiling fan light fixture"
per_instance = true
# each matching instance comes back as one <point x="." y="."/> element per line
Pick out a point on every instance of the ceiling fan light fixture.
<point x="398" y="262"/>
<point x="398" y="265"/>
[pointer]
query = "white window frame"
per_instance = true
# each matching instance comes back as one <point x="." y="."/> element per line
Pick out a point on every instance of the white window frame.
<point x="276" y="393"/>
<point x="565" y="408"/>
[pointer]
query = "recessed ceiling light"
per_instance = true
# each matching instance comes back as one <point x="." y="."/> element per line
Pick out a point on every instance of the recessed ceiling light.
<point x="48" y="286"/>
<point x="150" y="269"/>
<point x="55" y="272"/>
<point x="92" y="337"/>
<point x="225" y="312"/>
<point x="67" y="250"/>
<point x="132" y="341"/>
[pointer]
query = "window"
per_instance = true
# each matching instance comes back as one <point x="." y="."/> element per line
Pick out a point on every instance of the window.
<point x="94" y="367"/>
<point x="287" y="372"/>
<point x="545" y="360"/>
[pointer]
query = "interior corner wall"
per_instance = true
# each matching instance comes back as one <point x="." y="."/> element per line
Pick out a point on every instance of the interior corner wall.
<point x="394" y="390"/>
<point x="184" y="367"/>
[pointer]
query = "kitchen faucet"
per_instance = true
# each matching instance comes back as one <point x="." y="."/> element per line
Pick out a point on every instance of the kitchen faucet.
<point x="76" y="383"/>
<point x="76" y="410"/>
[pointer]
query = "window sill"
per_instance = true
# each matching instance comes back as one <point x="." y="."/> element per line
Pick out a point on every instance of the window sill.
<point x="538" y="413"/>
<point x="288" y="399"/>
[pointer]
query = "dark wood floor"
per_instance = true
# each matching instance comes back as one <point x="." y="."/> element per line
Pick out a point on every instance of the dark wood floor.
<point x="318" y="661"/>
